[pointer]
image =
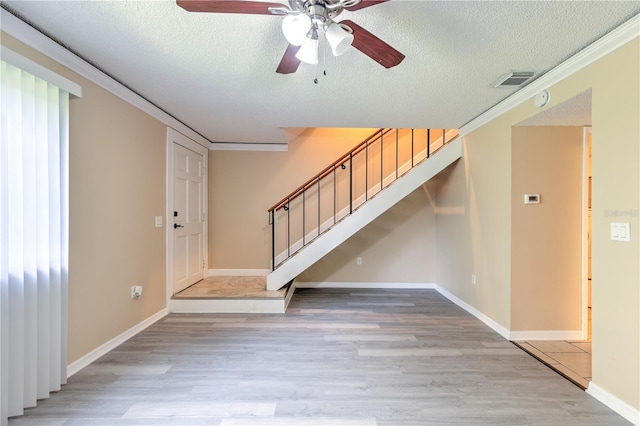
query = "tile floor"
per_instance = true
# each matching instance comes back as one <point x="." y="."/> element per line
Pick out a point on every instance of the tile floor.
<point x="570" y="358"/>
<point x="230" y="288"/>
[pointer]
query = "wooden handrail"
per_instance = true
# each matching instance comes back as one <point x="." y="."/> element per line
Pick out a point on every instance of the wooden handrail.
<point x="377" y="134"/>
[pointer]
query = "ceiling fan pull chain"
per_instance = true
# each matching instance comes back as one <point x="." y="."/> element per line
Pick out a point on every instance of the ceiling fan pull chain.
<point x="324" y="59"/>
<point x="324" y="62"/>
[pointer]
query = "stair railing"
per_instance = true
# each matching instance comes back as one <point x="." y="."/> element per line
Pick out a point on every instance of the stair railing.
<point x="333" y="194"/>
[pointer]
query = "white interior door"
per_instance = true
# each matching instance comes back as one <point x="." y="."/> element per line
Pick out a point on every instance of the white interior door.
<point x="188" y="217"/>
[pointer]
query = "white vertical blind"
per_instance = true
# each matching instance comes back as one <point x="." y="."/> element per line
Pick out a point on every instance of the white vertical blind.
<point x="34" y="223"/>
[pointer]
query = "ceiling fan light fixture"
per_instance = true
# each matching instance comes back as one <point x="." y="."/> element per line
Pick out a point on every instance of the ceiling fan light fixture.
<point x="308" y="52"/>
<point x="339" y="37"/>
<point x="295" y="28"/>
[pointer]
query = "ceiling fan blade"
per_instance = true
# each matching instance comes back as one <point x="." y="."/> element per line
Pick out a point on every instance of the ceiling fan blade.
<point x="365" y="3"/>
<point x="228" y="6"/>
<point x="289" y="63"/>
<point x="373" y="47"/>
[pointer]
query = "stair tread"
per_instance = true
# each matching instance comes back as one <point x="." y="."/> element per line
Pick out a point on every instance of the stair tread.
<point x="231" y="288"/>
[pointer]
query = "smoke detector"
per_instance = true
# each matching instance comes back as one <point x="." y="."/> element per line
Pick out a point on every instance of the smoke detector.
<point x="514" y="79"/>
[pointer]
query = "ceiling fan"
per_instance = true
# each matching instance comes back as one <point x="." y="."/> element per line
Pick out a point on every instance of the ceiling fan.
<point x="304" y="21"/>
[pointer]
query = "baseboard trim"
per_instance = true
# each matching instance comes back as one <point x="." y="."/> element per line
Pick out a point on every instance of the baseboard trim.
<point x="546" y="335"/>
<point x="349" y="285"/>
<point x="227" y="306"/>
<point x="509" y="335"/>
<point x="625" y="410"/>
<point x="238" y="272"/>
<point x="476" y="313"/>
<point x="103" y="349"/>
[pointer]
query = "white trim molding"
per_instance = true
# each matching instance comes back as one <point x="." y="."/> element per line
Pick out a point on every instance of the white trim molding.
<point x="625" y="410"/>
<point x="237" y="272"/>
<point x="476" y="313"/>
<point x="103" y="349"/>
<point x="24" y="32"/>
<point x="546" y="335"/>
<point x="238" y="146"/>
<point x="504" y="332"/>
<point x="360" y="285"/>
<point x="605" y="45"/>
<point x="363" y="285"/>
<point x="228" y="306"/>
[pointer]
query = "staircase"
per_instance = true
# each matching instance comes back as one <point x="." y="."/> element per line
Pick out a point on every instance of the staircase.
<point x="351" y="192"/>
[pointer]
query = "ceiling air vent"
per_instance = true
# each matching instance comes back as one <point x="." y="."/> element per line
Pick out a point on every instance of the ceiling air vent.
<point x="514" y="79"/>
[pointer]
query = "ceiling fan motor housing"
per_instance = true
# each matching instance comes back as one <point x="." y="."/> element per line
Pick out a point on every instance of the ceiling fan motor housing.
<point x="321" y="11"/>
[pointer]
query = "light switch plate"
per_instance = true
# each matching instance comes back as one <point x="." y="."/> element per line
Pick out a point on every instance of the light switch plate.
<point x="532" y="198"/>
<point x="620" y="232"/>
<point x="158" y="221"/>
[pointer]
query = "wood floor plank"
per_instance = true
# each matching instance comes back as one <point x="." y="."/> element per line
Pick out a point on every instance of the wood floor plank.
<point x="337" y="357"/>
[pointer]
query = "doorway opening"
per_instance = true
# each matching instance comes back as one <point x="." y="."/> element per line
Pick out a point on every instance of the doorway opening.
<point x="186" y="212"/>
<point x="586" y="235"/>
<point x="564" y="342"/>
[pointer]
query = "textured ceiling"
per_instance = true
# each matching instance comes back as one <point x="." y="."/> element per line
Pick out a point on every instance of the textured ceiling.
<point x="216" y="72"/>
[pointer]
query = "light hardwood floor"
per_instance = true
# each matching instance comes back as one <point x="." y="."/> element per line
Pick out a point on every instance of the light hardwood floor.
<point x="337" y="357"/>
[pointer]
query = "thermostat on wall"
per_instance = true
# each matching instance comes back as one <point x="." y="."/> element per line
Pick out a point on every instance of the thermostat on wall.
<point x="532" y="198"/>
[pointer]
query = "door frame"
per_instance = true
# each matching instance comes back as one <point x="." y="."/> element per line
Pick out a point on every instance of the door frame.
<point x="586" y="133"/>
<point x="175" y="137"/>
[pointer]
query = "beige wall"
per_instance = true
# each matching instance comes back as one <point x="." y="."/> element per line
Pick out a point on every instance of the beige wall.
<point x="393" y="247"/>
<point x="616" y="187"/>
<point x="243" y="185"/>
<point x="474" y="220"/>
<point x="546" y="238"/>
<point x="397" y="247"/>
<point x="117" y="186"/>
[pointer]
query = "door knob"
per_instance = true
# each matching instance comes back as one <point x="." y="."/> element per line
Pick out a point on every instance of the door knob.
<point x="176" y="226"/>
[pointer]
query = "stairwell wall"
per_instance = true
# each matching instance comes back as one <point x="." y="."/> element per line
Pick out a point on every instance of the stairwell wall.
<point x="397" y="247"/>
<point x="243" y="185"/>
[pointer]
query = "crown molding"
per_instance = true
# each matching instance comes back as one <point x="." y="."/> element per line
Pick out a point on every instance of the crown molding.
<point x="24" y="32"/>
<point x="625" y="33"/>
<point x="240" y="146"/>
